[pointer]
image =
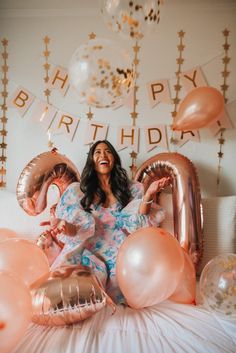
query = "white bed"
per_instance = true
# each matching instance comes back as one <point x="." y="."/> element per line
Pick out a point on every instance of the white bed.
<point x="166" y="327"/>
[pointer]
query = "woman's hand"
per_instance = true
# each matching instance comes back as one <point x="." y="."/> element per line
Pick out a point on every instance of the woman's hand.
<point x="155" y="187"/>
<point x="59" y="226"/>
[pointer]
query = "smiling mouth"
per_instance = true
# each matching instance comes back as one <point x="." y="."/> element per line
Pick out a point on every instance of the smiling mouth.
<point x="103" y="163"/>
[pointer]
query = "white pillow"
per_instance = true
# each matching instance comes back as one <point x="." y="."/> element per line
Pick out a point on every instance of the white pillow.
<point x="12" y="216"/>
<point x="219" y="225"/>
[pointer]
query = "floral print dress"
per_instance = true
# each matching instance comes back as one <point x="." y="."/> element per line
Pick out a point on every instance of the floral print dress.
<point x="101" y="233"/>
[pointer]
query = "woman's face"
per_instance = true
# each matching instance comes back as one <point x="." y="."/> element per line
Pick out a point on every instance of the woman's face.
<point x="103" y="159"/>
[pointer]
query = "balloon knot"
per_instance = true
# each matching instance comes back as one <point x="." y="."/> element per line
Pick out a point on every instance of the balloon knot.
<point x="54" y="150"/>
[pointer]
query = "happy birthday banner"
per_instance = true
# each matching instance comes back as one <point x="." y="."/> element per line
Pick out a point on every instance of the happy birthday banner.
<point x="61" y="122"/>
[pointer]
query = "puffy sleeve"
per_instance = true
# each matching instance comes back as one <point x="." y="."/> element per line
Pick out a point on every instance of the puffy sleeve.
<point x="70" y="210"/>
<point x="131" y="218"/>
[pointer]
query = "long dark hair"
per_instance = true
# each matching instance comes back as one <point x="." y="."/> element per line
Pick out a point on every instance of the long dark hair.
<point x="90" y="186"/>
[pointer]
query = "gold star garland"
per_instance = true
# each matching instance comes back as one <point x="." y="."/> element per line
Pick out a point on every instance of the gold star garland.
<point x="91" y="36"/>
<point x="47" y="92"/>
<point x="134" y="113"/>
<point x="177" y="86"/>
<point x="224" y="87"/>
<point x="3" y="119"/>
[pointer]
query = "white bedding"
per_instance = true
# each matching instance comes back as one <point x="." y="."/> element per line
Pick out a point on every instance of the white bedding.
<point x="166" y="328"/>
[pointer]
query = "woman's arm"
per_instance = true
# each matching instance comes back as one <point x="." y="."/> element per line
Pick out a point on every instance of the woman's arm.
<point x="150" y="194"/>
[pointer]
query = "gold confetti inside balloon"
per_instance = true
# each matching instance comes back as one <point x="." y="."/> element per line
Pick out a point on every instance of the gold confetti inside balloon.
<point x="101" y="73"/>
<point x="131" y="18"/>
<point x="218" y="285"/>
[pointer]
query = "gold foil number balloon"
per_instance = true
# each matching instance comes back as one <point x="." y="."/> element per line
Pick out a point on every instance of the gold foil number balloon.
<point x="218" y="285"/>
<point x="101" y="73"/>
<point x="186" y="198"/>
<point x="71" y="294"/>
<point x="42" y="171"/>
<point x="131" y="18"/>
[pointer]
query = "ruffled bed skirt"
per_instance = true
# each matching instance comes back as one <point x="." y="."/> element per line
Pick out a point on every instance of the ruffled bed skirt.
<point x="166" y="328"/>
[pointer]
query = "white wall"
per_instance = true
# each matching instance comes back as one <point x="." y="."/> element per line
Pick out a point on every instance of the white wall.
<point x="68" y="23"/>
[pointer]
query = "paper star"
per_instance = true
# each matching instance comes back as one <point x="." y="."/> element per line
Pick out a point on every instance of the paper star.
<point x="226" y="60"/>
<point x="89" y="115"/>
<point x="174" y="113"/>
<point x="180" y="61"/>
<point x="5" y="56"/>
<point x="5" y="81"/>
<point x="225" y="73"/>
<point x="136" y="48"/>
<point x="176" y="100"/>
<point x="3" y="159"/>
<point x="46" y="66"/>
<point x="5" y="68"/>
<point x="180" y="47"/>
<point x="226" y="46"/>
<point x="92" y="35"/>
<point x="46" y="40"/>
<point x="133" y="154"/>
<point x="225" y="32"/>
<point x="224" y="87"/>
<point x="221" y="141"/>
<point x="46" y="53"/>
<point x="181" y="34"/>
<point x="134" y="115"/>
<point x="177" y="87"/>
<point x="47" y="92"/>
<point x="4" y="42"/>
<point x="4" y="120"/>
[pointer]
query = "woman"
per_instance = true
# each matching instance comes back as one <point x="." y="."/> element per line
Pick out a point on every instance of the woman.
<point x="97" y="215"/>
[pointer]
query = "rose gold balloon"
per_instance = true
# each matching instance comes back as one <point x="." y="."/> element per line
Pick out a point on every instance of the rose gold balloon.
<point x="186" y="289"/>
<point x="149" y="265"/>
<point x="6" y="233"/>
<point x="200" y="107"/>
<point x="42" y="171"/>
<point x="71" y="294"/>
<point x="25" y="259"/>
<point x="186" y="197"/>
<point x="15" y="310"/>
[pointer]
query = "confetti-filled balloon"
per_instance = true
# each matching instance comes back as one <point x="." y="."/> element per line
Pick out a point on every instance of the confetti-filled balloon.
<point x="101" y="73"/>
<point x="131" y="18"/>
<point x="218" y="285"/>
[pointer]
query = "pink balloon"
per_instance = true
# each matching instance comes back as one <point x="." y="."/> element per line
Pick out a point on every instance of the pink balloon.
<point x="15" y="309"/>
<point x="186" y="289"/>
<point x="25" y="259"/>
<point x="6" y="233"/>
<point x="200" y="107"/>
<point x="149" y="264"/>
